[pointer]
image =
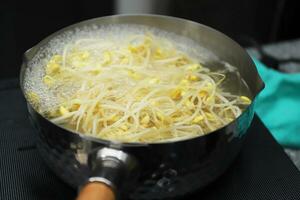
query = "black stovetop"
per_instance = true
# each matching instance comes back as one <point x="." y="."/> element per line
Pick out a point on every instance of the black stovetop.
<point x="261" y="171"/>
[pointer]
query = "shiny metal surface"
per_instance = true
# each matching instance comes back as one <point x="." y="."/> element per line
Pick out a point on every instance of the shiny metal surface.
<point x="159" y="170"/>
<point x="112" y="167"/>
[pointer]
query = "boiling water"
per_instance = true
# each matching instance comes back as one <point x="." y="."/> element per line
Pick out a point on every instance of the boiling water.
<point x="36" y="67"/>
<point x="118" y="34"/>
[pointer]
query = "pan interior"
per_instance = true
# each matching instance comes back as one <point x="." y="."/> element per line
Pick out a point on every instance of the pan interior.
<point x="45" y="98"/>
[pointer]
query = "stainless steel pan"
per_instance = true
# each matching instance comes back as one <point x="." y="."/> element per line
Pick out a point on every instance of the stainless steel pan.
<point x="108" y="170"/>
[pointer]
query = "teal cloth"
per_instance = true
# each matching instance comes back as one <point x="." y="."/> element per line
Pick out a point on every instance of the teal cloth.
<point x="278" y="105"/>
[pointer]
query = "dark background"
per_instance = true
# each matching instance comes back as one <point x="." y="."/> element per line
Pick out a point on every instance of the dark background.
<point x="24" y="23"/>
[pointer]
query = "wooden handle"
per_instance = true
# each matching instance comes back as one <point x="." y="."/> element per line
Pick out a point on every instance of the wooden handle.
<point x="96" y="191"/>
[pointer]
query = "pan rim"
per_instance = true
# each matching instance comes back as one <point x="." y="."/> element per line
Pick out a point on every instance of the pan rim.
<point x="44" y="42"/>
